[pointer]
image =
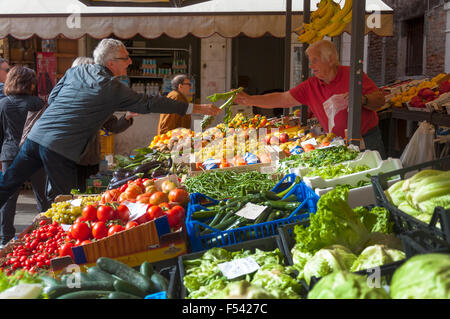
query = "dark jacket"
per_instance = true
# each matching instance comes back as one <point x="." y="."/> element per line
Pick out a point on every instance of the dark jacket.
<point x="82" y="101"/>
<point x="91" y="155"/>
<point x="2" y="95"/>
<point x="13" y="113"/>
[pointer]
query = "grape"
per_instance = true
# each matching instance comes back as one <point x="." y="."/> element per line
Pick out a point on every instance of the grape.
<point x="65" y="213"/>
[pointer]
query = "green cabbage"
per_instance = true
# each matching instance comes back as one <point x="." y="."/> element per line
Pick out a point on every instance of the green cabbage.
<point x="327" y="260"/>
<point x="277" y="281"/>
<point x="376" y="255"/>
<point x="424" y="276"/>
<point x="376" y="219"/>
<point x="334" y="223"/>
<point x="345" y="285"/>
<point x="395" y="194"/>
<point x="240" y="290"/>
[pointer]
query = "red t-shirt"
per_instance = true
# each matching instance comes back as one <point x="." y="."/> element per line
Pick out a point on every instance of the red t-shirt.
<point x="313" y="92"/>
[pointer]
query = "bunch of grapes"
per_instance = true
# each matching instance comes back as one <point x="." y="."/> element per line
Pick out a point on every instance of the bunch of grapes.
<point x="66" y="213"/>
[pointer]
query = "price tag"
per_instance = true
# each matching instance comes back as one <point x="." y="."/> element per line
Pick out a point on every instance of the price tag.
<point x="311" y="141"/>
<point x="136" y="209"/>
<point x="238" y="267"/>
<point x="76" y="202"/>
<point x="251" y="211"/>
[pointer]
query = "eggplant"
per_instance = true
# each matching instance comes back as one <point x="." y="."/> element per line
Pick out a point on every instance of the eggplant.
<point x="144" y="168"/>
<point x="123" y="181"/>
<point x="159" y="172"/>
<point x="120" y="173"/>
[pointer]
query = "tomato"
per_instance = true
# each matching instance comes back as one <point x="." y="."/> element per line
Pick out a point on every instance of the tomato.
<point x="133" y="191"/>
<point x="165" y="206"/>
<point x="131" y="224"/>
<point x="143" y="198"/>
<point x="110" y="196"/>
<point x="308" y="147"/>
<point x="143" y="218"/>
<point x="84" y="242"/>
<point x="80" y="231"/>
<point x="123" y="188"/>
<point x="66" y="250"/>
<point x="179" y="195"/>
<point x="80" y="219"/>
<point x="158" y="198"/>
<point x="99" y="230"/>
<point x="198" y="166"/>
<point x="105" y="213"/>
<point x="155" y="212"/>
<point x="175" y="215"/>
<point x="115" y="229"/>
<point x="167" y="186"/>
<point x="123" y="213"/>
<point x="89" y="213"/>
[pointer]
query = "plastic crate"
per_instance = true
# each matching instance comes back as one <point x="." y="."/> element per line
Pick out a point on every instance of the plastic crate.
<point x="266" y="244"/>
<point x="173" y="290"/>
<point x="198" y="242"/>
<point x="408" y="222"/>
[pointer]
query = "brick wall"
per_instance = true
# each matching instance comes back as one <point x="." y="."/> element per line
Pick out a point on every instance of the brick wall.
<point x="435" y="24"/>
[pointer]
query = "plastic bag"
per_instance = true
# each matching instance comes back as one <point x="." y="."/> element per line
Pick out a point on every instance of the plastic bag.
<point x="420" y="148"/>
<point x="333" y="106"/>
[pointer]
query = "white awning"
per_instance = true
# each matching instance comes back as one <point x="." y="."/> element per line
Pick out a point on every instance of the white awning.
<point x="229" y="18"/>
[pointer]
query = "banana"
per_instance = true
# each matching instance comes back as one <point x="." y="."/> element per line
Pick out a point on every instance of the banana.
<point x="320" y="9"/>
<point x="323" y="21"/>
<point x="316" y="38"/>
<point x="337" y="31"/>
<point x="330" y="28"/>
<point x="343" y="12"/>
<point x="347" y="18"/>
<point x="307" y="36"/>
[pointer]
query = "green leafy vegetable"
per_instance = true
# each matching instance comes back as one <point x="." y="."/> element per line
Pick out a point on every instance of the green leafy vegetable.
<point x="376" y="220"/>
<point x="377" y="255"/>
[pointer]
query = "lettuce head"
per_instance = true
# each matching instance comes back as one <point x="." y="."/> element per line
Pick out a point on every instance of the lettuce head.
<point x="424" y="276"/>
<point x="376" y="255"/>
<point x="345" y="285"/>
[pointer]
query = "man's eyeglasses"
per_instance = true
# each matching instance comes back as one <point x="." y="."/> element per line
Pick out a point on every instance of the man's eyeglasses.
<point x="187" y="84"/>
<point x="123" y="59"/>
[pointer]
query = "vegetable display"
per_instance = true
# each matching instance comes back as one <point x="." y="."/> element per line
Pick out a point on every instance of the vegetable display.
<point x="226" y="184"/>
<point x="204" y="279"/>
<point x="330" y="172"/>
<point x="229" y="97"/>
<point x="420" y="194"/>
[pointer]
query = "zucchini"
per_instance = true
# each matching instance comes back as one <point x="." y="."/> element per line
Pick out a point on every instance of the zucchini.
<point x="85" y="294"/>
<point x="271" y="217"/>
<point x="146" y="269"/>
<point x="238" y="223"/>
<point x="269" y="195"/>
<point x="282" y="205"/>
<point x="126" y="273"/>
<point x="62" y="289"/>
<point x="219" y="216"/>
<point x="161" y="283"/>
<point x="225" y="223"/>
<point x="99" y="275"/>
<point x="202" y="214"/>
<point x="126" y="287"/>
<point x="262" y="217"/>
<point x="121" y="295"/>
<point x="84" y="277"/>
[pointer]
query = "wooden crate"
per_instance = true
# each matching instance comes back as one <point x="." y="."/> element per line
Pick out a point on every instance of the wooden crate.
<point x="131" y="241"/>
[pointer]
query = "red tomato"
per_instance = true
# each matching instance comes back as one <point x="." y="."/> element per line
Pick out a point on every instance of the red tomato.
<point x="158" y="198"/>
<point x="105" y="213"/>
<point x="80" y="231"/>
<point x="179" y="195"/>
<point x="131" y="224"/>
<point x="66" y="250"/>
<point x="175" y="215"/>
<point x="123" y="213"/>
<point x="89" y="213"/>
<point x="84" y="242"/>
<point x="143" y="219"/>
<point x="115" y="229"/>
<point x="155" y="212"/>
<point x="165" y="206"/>
<point x="99" y="230"/>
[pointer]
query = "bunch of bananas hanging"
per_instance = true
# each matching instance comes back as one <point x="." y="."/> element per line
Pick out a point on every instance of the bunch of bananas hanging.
<point x="328" y="20"/>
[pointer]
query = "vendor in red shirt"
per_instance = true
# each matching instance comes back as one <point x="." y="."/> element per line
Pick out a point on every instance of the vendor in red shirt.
<point x="330" y="78"/>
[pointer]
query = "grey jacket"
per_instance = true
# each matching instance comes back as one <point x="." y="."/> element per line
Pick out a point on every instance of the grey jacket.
<point x="82" y="101"/>
<point x="13" y="113"/>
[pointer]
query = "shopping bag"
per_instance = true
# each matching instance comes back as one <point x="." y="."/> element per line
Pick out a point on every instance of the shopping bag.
<point x="333" y="106"/>
<point x="420" y="148"/>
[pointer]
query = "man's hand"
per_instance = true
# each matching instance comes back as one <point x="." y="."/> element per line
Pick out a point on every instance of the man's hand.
<point x="206" y="109"/>
<point x="130" y="115"/>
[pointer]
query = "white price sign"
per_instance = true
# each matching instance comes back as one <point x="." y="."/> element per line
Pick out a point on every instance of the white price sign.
<point x="238" y="267"/>
<point x="251" y="211"/>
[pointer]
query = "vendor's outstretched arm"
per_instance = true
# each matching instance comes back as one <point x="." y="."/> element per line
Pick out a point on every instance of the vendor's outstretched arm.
<point x="268" y="101"/>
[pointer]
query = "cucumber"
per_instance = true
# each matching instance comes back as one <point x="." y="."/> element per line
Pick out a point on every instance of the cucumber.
<point x="121" y="295"/>
<point x="146" y="269"/>
<point x="126" y="273"/>
<point x="59" y="290"/>
<point x="262" y="217"/>
<point x="126" y="287"/>
<point x="202" y="214"/>
<point x="84" y="277"/>
<point x="49" y="281"/>
<point x="99" y="275"/>
<point x="85" y="294"/>
<point x="161" y="283"/>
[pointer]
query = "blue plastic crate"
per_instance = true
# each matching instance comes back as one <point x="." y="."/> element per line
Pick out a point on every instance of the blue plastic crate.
<point x="157" y="295"/>
<point x="305" y="195"/>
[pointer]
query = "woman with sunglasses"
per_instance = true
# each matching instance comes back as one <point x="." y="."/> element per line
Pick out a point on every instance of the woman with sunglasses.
<point x="19" y="87"/>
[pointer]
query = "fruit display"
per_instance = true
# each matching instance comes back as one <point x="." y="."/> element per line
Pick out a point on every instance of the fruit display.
<point x="417" y="93"/>
<point x="67" y="212"/>
<point x="328" y="20"/>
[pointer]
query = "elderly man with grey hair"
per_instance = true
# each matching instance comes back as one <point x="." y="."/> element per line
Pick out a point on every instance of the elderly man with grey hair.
<point x="79" y="104"/>
<point x="4" y="68"/>
<point x="181" y="86"/>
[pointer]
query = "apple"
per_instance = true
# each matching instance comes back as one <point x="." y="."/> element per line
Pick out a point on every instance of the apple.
<point x="284" y="137"/>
